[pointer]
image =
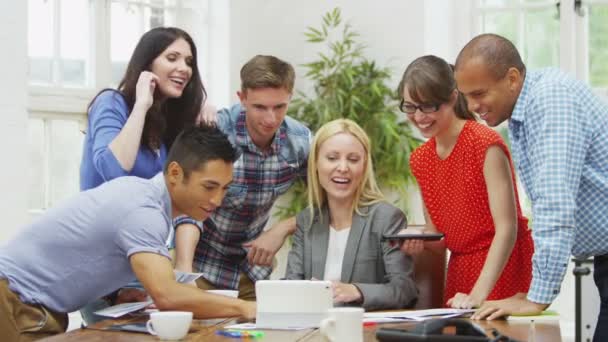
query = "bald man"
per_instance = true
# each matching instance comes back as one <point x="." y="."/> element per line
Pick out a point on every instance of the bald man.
<point x="559" y="139"/>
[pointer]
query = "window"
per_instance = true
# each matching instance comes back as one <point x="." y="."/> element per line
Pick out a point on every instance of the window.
<point x="532" y="25"/>
<point x="597" y="14"/>
<point x="58" y="42"/>
<point x="75" y="48"/>
<point x="129" y="20"/>
<point x="543" y="31"/>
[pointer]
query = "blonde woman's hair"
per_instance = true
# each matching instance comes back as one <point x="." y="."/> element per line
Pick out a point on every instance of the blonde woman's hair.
<point x="367" y="193"/>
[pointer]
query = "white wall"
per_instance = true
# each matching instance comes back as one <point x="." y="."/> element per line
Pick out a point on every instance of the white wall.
<point x="13" y="116"/>
<point x="392" y="30"/>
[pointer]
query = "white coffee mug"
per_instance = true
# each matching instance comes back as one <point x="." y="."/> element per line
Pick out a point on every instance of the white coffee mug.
<point x="343" y="324"/>
<point x="169" y="325"/>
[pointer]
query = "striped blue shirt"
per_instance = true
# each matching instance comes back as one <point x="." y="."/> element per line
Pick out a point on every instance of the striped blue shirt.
<point x="559" y="137"/>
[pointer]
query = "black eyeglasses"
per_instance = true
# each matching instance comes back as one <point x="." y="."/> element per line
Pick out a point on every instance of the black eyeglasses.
<point x="410" y="108"/>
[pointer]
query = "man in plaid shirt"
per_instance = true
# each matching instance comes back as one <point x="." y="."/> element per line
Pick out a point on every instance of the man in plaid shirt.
<point x="559" y="136"/>
<point x="233" y="250"/>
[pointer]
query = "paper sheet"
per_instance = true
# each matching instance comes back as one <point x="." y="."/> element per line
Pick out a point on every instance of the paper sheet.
<point x="416" y="315"/>
<point x="185" y="277"/>
<point x="252" y="326"/>
<point x="122" y="309"/>
<point x="125" y="308"/>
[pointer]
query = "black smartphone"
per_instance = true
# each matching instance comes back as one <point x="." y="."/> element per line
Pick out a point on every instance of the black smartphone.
<point x="426" y="237"/>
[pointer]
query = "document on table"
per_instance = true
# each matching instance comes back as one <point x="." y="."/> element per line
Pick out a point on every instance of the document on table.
<point x="122" y="309"/>
<point x="252" y="326"/>
<point x="414" y="315"/>
<point x="547" y="315"/>
<point x="185" y="277"/>
<point x="125" y="308"/>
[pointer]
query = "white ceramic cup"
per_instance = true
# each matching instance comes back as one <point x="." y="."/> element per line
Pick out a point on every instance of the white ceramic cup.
<point x="343" y="324"/>
<point x="169" y="325"/>
<point x="227" y="293"/>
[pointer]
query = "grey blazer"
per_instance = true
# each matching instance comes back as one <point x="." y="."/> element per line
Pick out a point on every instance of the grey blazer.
<point x="382" y="273"/>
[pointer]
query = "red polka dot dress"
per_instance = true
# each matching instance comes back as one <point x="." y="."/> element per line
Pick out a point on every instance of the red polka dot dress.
<point x="455" y="194"/>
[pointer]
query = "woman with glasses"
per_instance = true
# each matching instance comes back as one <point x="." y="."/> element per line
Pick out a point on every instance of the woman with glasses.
<point x="467" y="181"/>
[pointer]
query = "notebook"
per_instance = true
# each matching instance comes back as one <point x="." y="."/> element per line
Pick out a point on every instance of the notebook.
<point x="289" y="304"/>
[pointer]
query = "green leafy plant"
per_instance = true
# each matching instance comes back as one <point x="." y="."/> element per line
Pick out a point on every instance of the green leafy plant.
<point x="346" y="84"/>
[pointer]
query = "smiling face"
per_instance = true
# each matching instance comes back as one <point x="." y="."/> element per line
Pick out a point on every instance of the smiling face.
<point x="431" y="124"/>
<point x="173" y="68"/>
<point x="341" y="164"/>
<point x="491" y="97"/>
<point x="199" y="194"/>
<point x="265" y="111"/>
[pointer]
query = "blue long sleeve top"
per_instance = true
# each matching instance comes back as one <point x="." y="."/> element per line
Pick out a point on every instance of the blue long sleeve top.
<point x="107" y="116"/>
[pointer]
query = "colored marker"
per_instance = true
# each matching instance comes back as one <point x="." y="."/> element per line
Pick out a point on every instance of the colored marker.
<point x="240" y="333"/>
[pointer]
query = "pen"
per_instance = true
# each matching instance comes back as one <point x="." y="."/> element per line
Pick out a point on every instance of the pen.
<point x="532" y="332"/>
<point x="240" y="334"/>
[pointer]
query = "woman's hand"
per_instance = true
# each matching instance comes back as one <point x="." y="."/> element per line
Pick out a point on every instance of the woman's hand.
<point x="411" y="247"/>
<point x="345" y="293"/>
<point x="144" y="91"/>
<point x="207" y="114"/>
<point x="464" y="301"/>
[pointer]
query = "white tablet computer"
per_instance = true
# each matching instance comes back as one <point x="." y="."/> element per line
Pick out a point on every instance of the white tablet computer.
<point x="283" y="304"/>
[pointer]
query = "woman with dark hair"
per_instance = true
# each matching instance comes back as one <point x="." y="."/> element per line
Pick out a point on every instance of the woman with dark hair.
<point x="467" y="181"/>
<point x="131" y="128"/>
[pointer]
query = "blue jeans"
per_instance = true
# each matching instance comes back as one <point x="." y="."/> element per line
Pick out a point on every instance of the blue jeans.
<point x="600" y="275"/>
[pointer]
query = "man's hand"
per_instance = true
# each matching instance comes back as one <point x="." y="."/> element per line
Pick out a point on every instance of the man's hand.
<point x="516" y="305"/>
<point x="345" y="293"/>
<point x="248" y="310"/>
<point x="130" y="295"/>
<point x="263" y="249"/>
<point x="464" y="301"/>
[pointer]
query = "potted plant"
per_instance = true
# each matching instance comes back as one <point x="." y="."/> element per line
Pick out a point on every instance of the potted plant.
<point x="346" y="84"/>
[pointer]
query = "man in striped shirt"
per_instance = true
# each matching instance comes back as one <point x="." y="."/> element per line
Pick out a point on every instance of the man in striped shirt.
<point x="559" y="136"/>
<point x="233" y="250"/>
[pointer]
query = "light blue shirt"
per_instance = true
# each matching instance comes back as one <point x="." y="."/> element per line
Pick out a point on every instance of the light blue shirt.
<point x="79" y="251"/>
<point x="559" y="138"/>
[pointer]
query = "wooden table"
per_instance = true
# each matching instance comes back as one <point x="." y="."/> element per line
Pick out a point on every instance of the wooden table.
<point x="201" y="330"/>
<point x="519" y="330"/>
<point x="205" y="331"/>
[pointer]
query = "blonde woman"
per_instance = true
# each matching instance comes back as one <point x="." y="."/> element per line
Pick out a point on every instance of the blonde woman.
<point x="339" y="236"/>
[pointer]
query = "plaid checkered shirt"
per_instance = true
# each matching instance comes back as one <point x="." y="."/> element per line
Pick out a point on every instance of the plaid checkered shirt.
<point x="559" y="138"/>
<point x="259" y="178"/>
